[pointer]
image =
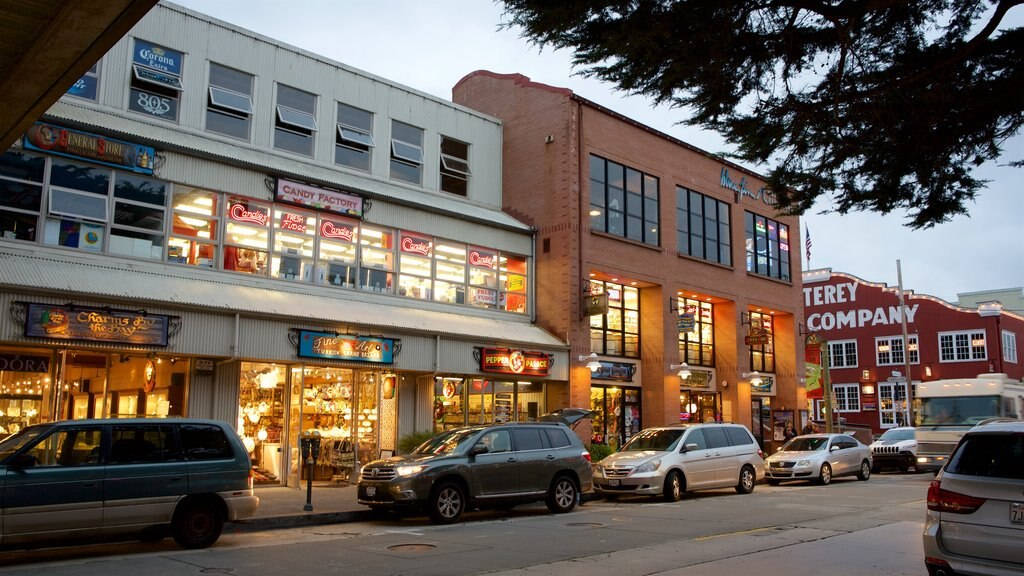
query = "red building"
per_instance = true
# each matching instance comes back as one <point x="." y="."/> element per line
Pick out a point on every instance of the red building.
<point x="861" y="323"/>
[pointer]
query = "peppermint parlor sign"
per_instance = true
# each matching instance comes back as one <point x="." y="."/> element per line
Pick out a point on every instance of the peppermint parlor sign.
<point x="509" y="361"/>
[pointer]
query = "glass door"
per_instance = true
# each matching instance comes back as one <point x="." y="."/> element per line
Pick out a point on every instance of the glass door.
<point x="367" y="418"/>
<point x="892" y="404"/>
<point x="261" y="409"/>
<point x="328" y="407"/>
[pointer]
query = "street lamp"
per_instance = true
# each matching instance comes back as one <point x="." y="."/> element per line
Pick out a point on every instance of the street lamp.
<point x="592" y="362"/>
<point x="754" y="377"/>
<point x="684" y="370"/>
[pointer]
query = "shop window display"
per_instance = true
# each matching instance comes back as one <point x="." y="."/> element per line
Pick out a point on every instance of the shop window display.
<point x="194" y="227"/>
<point x="697" y="345"/>
<point x="376" y="251"/>
<point x="337" y="252"/>
<point x="366" y="420"/>
<point x="327" y="407"/>
<point x="294" y="237"/>
<point x="483" y="278"/>
<point x="449" y="410"/>
<point x="121" y="386"/>
<point x="513" y="282"/>
<point x="24" y="384"/>
<point x="246" y="236"/>
<point x="450" y="273"/>
<point x="261" y="417"/>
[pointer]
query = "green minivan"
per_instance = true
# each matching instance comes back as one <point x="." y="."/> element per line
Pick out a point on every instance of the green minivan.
<point x="79" y="479"/>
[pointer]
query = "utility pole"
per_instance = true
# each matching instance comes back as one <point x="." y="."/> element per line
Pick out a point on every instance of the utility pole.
<point x="906" y="348"/>
<point x="827" y="387"/>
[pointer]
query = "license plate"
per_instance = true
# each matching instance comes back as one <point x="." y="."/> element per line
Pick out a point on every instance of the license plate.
<point x="613" y="482"/>
<point x="371" y="490"/>
<point x="1017" y="513"/>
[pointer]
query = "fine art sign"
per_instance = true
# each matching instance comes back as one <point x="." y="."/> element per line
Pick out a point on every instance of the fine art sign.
<point x="508" y="361"/>
<point x="346" y="347"/>
<point x="95" y="324"/>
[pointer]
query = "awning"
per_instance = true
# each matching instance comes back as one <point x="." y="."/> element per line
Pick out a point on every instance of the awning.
<point x="85" y="275"/>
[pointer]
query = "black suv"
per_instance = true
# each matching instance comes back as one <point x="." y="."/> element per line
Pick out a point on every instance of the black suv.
<point x="482" y="466"/>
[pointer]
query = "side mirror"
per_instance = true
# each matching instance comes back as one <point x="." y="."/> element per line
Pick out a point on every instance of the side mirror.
<point x="478" y="448"/>
<point x="23" y="460"/>
<point x="691" y="446"/>
<point x="834" y="448"/>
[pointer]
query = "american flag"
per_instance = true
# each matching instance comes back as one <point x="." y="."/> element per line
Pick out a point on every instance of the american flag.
<point x="807" y="242"/>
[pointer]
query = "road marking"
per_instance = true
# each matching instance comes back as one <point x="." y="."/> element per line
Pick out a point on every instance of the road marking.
<point x="737" y="533"/>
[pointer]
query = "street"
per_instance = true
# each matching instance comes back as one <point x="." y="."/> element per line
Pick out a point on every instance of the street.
<point x="850" y="527"/>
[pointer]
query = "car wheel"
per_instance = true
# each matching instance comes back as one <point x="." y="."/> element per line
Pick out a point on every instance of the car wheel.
<point x="865" y="471"/>
<point x="825" y="476"/>
<point x="197" y="524"/>
<point x="746" y="482"/>
<point x="774" y="482"/>
<point x="447" y="503"/>
<point x="562" y="495"/>
<point x="673" y="489"/>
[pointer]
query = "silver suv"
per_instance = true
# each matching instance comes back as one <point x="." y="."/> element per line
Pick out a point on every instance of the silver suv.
<point x="482" y="466"/>
<point x="670" y="461"/>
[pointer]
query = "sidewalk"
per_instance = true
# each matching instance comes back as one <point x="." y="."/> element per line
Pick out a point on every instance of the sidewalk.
<point x="282" y="507"/>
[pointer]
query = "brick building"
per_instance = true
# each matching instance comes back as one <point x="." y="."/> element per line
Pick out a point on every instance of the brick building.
<point x="861" y="322"/>
<point x="697" y="267"/>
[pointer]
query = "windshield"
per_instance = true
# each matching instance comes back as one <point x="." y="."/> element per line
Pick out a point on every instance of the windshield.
<point x="957" y="410"/>
<point x="12" y="444"/>
<point x="446" y="443"/>
<point x="897" y="435"/>
<point x="659" y="440"/>
<point x="806" y="444"/>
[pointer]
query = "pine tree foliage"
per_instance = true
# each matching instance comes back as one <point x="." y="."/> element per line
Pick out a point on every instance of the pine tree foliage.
<point x="878" y="105"/>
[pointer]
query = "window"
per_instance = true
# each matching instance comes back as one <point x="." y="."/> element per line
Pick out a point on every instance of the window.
<point x="989" y="455"/>
<point x="414" y="266"/>
<point x="78" y="205"/>
<point x="229" y="102"/>
<point x="496" y="441"/>
<point x="623" y="201"/>
<point x="194" y="227"/>
<point x="767" y="246"/>
<point x="697" y="346"/>
<point x="889" y="350"/>
<point x="762" y="356"/>
<point x="703" y="227"/>
<point x="738" y="436"/>
<point x="406" y="152"/>
<point x="138" y="225"/>
<point x="246" y="236"/>
<point x="512" y="279"/>
<point x="454" y="166"/>
<point x="1009" y="347"/>
<point x="450" y="273"/>
<point x="847" y="397"/>
<point x="715" y="437"/>
<point x="294" y="237"/>
<point x="87" y="86"/>
<point x="557" y="438"/>
<point x="962" y="346"/>
<point x="204" y="442"/>
<point x="75" y="447"/>
<point x="527" y="439"/>
<point x="842" y="354"/>
<point x="21" y="195"/>
<point x="616" y="333"/>
<point x="337" y="255"/>
<point x="377" y="259"/>
<point x="355" y="137"/>
<point x="295" y="120"/>
<point x="483" y="278"/>
<point x="155" y="81"/>
<point x="140" y="444"/>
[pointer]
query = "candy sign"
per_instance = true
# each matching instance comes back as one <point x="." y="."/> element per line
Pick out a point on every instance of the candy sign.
<point x="319" y="198"/>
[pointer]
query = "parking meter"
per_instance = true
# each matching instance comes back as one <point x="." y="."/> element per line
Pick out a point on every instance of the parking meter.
<point x="310" y="446"/>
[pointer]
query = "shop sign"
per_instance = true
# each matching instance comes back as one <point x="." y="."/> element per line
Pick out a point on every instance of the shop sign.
<point x="293" y="222"/>
<point x="24" y="363"/>
<point x="756" y="337"/>
<point x="618" y="371"/>
<point x="482" y="259"/>
<point x="157" y="57"/>
<point x="686" y="321"/>
<point x="84" y="87"/>
<point x="95" y="325"/>
<point x="515" y="283"/>
<point x="483" y="296"/>
<point x="595" y="305"/>
<point x="699" y="380"/>
<point x="765" y="388"/>
<point x="319" y="198"/>
<point x="341" y="347"/>
<point x="80" y="145"/>
<point x="869" y="406"/>
<point x="419" y="245"/>
<point x="741" y="189"/>
<point x="204" y="365"/>
<point x="508" y="361"/>
<point x="239" y="211"/>
<point x="337" y="230"/>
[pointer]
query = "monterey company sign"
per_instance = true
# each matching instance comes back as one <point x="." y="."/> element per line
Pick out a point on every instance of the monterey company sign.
<point x="741" y="189"/>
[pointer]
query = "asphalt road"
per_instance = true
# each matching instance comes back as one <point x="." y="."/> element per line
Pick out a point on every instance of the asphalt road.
<point x="848" y="528"/>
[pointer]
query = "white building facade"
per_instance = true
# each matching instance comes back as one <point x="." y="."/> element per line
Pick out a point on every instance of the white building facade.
<point x="215" y="224"/>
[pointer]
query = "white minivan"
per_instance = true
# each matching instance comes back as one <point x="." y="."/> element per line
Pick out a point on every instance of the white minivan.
<point x="670" y="461"/>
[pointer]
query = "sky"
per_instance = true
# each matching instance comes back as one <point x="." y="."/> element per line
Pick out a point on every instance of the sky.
<point x="430" y="45"/>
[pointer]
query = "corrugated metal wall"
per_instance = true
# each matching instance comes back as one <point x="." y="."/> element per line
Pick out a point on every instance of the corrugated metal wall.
<point x="225" y="392"/>
<point x="200" y="395"/>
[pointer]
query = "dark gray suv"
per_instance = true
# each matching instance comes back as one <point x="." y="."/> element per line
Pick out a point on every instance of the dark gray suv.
<point x="482" y="466"/>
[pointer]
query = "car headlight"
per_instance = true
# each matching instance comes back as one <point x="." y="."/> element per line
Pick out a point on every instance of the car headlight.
<point x="599" y="468"/>
<point x="409" y="470"/>
<point x="803" y="462"/>
<point x="649" y="466"/>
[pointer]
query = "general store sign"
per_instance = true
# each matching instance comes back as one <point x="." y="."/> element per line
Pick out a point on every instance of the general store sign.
<point x="95" y="325"/>
<point x="343" y="347"/>
<point x="87" y="146"/>
<point x="319" y="198"/>
<point x="509" y="361"/>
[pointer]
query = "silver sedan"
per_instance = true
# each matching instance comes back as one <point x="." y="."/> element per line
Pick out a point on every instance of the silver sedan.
<point x="819" y="457"/>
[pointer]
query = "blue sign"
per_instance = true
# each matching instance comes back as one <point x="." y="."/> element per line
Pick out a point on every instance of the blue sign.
<point x="84" y="87"/>
<point x="620" y="371"/>
<point x="88" y="146"/>
<point x="344" y="347"/>
<point x="157" y="57"/>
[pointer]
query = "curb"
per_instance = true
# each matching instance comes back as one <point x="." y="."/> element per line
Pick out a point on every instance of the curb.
<point x="296" y="521"/>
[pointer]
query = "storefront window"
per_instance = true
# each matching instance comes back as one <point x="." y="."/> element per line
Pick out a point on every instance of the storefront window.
<point x="695" y="407"/>
<point x="121" y="386"/>
<point x="616" y="333"/>
<point x="481" y="401"/>
<point x="328" y="405"/>
<point x="367" y="418"/>
<point x="137" y="228"/>
<point x="377" y="259"/>
<point x="513" y="283"/>
<point x="767" y="243"/>
<point x="697" y="345"/>
<point x="415" y="254"/>
<point x="762" y="356"/>
<point x="78" y="211"/>
<point x="194" y="227"/>
<point x="261" y="406"/>
<point x="246" y="237"/>
<point x="24" y="384"/>
<point x="449" y="410"/>
<point x="450" y="273"/>
<point x="21" y="195"/>
<point x="337" y="255"/>
<point x="483" y="278"/>
<point x="529" y="401"/>
<point x="294" y="237"/>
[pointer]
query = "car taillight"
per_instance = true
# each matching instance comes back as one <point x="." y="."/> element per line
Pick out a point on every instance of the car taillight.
<point x="586" y="455"/>
<point x="940" y="500"/>
<point x="251" y="480"/>
<point x="760" y="453"/>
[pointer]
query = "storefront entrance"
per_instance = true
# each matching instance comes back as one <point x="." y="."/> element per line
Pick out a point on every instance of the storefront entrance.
<point x="697" y="407"/>
<point x="761" y="419"/>
<point x="617" y="415"/>
<point x="465" y="401"/>
<point x="892" y="404"/>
